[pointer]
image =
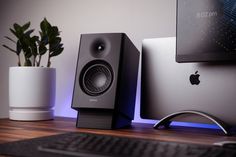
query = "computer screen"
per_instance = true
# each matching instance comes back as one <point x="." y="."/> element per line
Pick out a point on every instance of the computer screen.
<point x="168" y="86"/>
<point x="206" y="30"/>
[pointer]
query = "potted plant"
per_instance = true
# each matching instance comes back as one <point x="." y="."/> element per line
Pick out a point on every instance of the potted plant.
<point x="31" y="85"/>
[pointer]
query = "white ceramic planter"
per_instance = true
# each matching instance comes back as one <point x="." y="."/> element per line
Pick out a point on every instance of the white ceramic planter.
<point x="31" y="93"/>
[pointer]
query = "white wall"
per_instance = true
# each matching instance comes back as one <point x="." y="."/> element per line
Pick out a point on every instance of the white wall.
<point x="139" y="19"/>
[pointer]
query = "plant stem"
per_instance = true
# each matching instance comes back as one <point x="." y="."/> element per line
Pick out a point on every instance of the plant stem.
<point x="19" y="62"/>
<point x="34" y="60"/>
<point x="38" y="64"/>
<point x="48" y="64"/>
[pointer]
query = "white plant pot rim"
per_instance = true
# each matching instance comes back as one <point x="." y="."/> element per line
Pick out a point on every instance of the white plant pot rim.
<point x="31" y="115"/>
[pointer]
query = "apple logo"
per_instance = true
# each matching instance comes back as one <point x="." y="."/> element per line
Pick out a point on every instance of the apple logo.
<point x="194" y="78"/>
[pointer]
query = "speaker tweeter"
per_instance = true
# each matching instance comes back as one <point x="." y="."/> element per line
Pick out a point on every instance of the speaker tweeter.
<point x="100" y="48"/>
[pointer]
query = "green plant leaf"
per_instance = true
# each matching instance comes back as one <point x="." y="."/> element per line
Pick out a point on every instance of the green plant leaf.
<point x="19" y="33"/>
<point x="44" y="40"/>
<point x="18" y="47"/>
<point x="29" y="32"/>
<point x="54" y="31"/>
<point x="26" y="42"/>
<point x="35" y="38"/>
<point x="27" y="53"/>
<point x="24" y="45"/>
<point x="17" y="27"/>
<point x="26" y="26"/>
<point x="33" y="45"/>
<point x="42" y="49"/>
<point x="9" y="48"/>
<point x="56" y="40"/>
<point x="57" y="52"/>
<point x="34" y="49"/>
<point x="45" y="26"/>
<point x="10" y="39"/>
<point x="54" y="44"/>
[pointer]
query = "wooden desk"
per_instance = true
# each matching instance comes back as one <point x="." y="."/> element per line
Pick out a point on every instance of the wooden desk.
<point x="14" y="130"/>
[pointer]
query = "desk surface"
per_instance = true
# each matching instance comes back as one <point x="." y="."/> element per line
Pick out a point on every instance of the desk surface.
<point x="15" y="130"/>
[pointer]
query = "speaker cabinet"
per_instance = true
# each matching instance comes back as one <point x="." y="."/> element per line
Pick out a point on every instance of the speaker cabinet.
<point x="106" y="80"/>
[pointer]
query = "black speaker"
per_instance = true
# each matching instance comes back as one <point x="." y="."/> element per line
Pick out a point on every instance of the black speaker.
<point x="106" y="80"/>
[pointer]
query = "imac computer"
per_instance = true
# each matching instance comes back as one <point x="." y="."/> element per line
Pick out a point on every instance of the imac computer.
<point x="168" y="87"/>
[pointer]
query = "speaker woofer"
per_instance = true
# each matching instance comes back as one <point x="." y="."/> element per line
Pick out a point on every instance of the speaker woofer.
<point x="96" y="78"/>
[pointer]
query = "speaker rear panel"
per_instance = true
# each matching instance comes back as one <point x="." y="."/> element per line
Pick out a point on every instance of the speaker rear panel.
<point x="97" y="70"/>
